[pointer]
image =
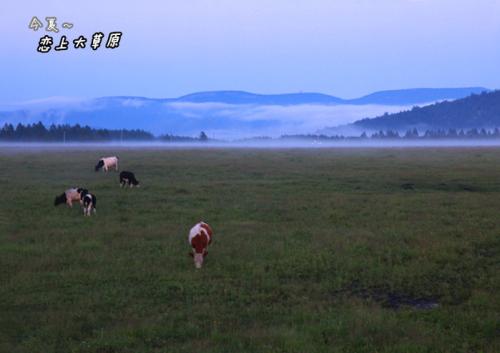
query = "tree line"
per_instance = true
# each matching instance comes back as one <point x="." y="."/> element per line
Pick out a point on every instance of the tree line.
<point x="38" y="132"/>
<point x="409" y="134"/>
<point x="76" y="133"/>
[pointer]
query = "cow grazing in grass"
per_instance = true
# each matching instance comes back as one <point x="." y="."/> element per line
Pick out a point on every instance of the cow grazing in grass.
<point x="200" y="237"/>
<point x="89" y="203"/>
<point x="128" y="178"/>
<point x="68" y="197"/>
<point x="105" y="163"/>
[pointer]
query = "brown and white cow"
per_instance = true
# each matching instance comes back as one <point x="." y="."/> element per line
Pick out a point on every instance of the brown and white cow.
<point x="68" y="197"/>
<point x="200" y="236"/>
<point x="107" y="162"/>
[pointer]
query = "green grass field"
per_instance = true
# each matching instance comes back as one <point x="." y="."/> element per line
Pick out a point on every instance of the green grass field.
<point x="327" y="250"/>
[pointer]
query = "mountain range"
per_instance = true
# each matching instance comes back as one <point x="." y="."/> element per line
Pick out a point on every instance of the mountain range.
<point x="225" y="114"/>
<point x="390" y="97"/>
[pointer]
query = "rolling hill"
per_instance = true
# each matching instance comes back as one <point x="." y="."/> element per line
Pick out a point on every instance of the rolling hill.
<point x="476" y="111"/>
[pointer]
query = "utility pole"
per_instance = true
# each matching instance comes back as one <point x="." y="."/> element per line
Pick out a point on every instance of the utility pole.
<point x="64" y="136"/>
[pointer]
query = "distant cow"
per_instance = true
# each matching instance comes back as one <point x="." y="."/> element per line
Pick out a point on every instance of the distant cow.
<point x="89" y="204"/>
<point x="107" y="162"/>
<point x="200" y="237"/>
<point x="128" y="178"/>
<point x="68" y="197"/>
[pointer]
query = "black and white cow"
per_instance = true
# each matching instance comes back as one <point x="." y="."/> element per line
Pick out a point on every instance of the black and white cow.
<point x="89" y="204"/>
<point x="128" y="178"/>
<point x="107" y="162"/>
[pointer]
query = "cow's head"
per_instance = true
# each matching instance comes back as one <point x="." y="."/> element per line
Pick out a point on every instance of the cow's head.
<point x="82" y="192"/>
<point x="135" y="182"/>
<point x="198" y="258"/>
<point x="99" y="165"/>
<point x="60" y="199"/>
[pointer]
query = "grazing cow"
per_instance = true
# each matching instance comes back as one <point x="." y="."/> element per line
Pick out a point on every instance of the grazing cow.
<point x="107" y="162"/>
<point x="89" y="204"/>
<point x="128" y="178"/>
<point x="68" y="197"/>
<point x="200" y="237"/>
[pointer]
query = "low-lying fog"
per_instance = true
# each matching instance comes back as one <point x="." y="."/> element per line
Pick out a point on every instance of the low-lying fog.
<point x="252" y="144"/>
<point x="218" y="120"/>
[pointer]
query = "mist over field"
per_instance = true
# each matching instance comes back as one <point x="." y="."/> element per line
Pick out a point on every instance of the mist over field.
<point x="248" y="144"/>
<point x="225" y="115"/>
<point x="219" y="120"/>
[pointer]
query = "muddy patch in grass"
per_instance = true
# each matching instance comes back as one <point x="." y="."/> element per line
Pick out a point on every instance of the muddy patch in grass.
<point x="396" y="301"/>
<point x="182" y="191"/>
<point x="456" y="187"/>
<point x="391" y="300"/>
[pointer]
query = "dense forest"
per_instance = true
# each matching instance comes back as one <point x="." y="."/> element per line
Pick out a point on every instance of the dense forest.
<point x="476" y="111"/>
<point x="76" y="133"/>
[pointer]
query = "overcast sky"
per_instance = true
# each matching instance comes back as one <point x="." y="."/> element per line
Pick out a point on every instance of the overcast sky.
<point x="169" y="48"/>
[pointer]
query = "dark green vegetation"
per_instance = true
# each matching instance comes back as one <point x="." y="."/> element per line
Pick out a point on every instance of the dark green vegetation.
<point x="392" y="250"/>
<point x="77" y="133"/>
<point x="411" y="134"/>
<point x="474" y="112"/>
<point x="70" y="133"/>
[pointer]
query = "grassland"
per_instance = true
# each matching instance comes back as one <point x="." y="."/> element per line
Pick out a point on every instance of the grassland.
<point x="329" y="250"/>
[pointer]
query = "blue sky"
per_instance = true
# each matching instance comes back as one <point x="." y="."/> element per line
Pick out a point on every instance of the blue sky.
<point x="169" y="48"/>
